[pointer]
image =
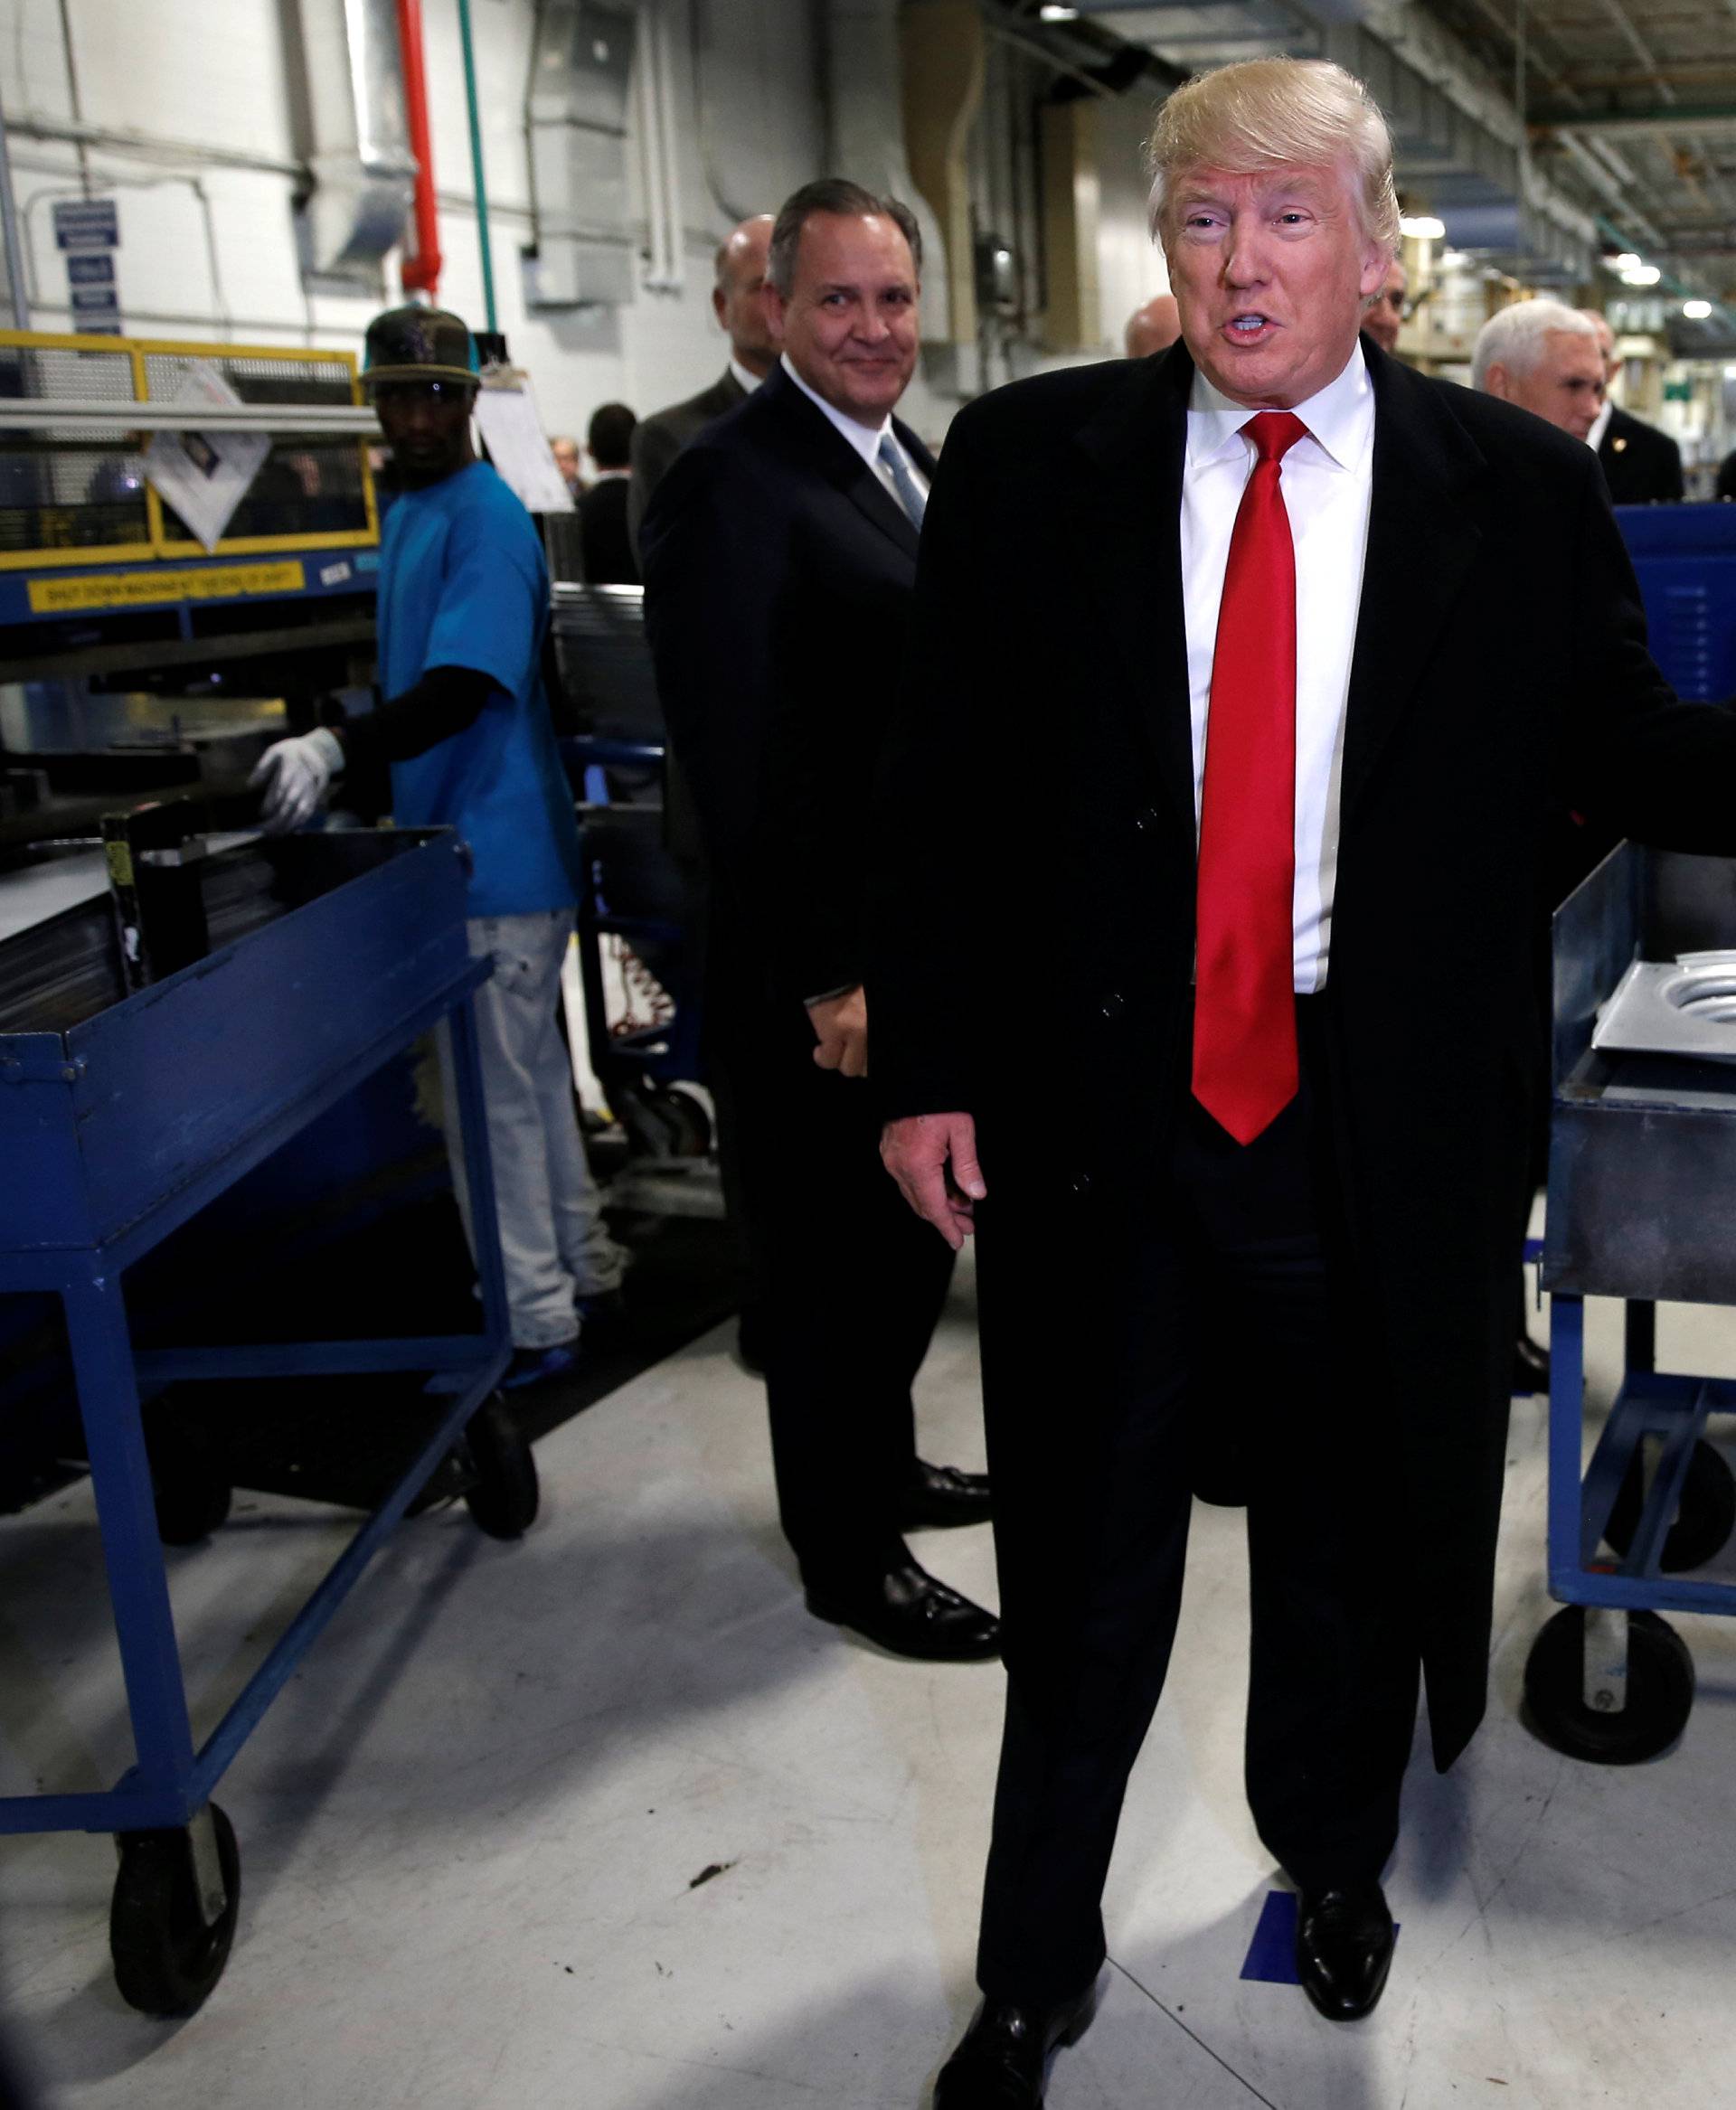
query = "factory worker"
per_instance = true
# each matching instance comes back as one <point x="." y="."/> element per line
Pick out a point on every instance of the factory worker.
<point x="463" y="606"/>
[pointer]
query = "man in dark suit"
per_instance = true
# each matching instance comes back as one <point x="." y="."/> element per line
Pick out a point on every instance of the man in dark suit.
<point x="780" y="557"/>
<point x="741" y="310"/>
<point x="605" y="554"/>
<point x="1241" y="682"/>
<point x="1641" y="465"/>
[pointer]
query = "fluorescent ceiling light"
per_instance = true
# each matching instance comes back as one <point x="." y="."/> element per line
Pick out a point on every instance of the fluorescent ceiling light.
<point x="1642" y="275"/>
<point x="1424" y="227"/>
<point x="1696" y="311"/>
<point x="1057" y="15"/>
<point x="1627" y="261"/>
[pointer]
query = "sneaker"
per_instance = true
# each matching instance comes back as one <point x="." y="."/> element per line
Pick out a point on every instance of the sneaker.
<point x="535" y="1366"/>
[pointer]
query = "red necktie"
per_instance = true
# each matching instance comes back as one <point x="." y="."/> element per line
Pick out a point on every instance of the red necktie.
<point x="1244" y="1006"/>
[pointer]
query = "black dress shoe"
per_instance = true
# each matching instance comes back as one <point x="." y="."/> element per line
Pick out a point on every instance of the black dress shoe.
<point x="1344" y="1948"/>
<point x="1530" y="1366"/>
<point x="1003" y="2059"/>
<point x="909" y="1612"/>
<point x="943" y="1495"/>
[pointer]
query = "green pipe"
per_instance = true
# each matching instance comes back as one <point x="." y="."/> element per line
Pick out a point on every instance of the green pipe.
<point x="475" y="163"/>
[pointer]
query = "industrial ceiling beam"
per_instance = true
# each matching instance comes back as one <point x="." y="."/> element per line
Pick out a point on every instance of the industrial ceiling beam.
<point x="1638" y="121"/>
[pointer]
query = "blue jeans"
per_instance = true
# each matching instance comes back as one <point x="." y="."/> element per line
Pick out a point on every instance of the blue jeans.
<point x="552" y="1238"/>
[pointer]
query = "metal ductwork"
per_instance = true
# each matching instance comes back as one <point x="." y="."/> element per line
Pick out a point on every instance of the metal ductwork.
<point x="1474" y="181"/>
<point x="943" y="54"/>
<point x="865" y="135"/>
<point x="577" y="116"/>
<point x="356" y="137"/>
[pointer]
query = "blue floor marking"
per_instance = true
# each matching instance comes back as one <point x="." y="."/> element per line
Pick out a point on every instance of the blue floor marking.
<point x="1271" y="1954"/>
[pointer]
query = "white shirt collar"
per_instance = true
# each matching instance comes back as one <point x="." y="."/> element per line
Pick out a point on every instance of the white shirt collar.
<point x="745" y="379"/>
<point x="864" y="440"/>
<point x="1340" y="419"/>
<point x="1600" y="426"/>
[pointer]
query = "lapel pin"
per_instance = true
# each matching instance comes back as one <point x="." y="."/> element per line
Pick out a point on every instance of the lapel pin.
<point x="1618" y="447"/>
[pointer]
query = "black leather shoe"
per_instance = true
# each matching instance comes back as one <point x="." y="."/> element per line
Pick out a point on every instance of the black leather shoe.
<point x="908" y="1611"/>
<point x="1344" y="1948"/>
<point x="1002" y="2062"/>
<point x="1530" y="1366"/>
<point x="943" y="1495"/>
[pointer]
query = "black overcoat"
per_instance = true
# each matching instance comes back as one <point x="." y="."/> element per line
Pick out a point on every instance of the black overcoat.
<point x="1641" y="465"/>
<point x="779" y="574"/>
<point x="1032" y="927"/>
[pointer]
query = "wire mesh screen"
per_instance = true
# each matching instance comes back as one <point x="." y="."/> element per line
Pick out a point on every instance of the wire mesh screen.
<point x="305" y="487"/>
<point x="67" y="488"/>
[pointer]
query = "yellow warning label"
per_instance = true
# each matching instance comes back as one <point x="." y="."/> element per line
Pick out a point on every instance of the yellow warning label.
<point x="152" y="588"/>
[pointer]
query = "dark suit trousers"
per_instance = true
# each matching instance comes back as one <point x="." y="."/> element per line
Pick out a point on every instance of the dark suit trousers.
<point x="1245" y="1235"/>
<point x="851" y="1286"/>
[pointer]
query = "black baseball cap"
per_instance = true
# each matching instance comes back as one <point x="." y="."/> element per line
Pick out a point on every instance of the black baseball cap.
<point x="418" y="343"/>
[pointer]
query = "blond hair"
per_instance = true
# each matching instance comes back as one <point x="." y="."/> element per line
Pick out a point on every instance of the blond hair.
<point x="1276" y="113"/>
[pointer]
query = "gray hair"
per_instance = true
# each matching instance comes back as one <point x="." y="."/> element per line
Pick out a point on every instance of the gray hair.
<point x="1514" y="336"/>
<point x="847" y="201"/>
<point x="1266" y="114"/>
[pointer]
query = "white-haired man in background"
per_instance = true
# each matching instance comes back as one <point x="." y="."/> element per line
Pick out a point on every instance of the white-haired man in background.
<point x="1641" y="465"/>
<point x="1307" y="643"/>
<point x="1546" y="358"/>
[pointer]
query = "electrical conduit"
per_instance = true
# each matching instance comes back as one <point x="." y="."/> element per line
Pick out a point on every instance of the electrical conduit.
<point x="421" y="265"/>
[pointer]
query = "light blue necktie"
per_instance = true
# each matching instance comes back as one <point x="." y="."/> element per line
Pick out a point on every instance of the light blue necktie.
<point x="909" y="491"/>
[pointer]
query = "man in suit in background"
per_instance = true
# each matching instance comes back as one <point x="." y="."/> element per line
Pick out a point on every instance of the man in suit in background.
<point x="1641" y="465"/>
<point x="605" y="554"/>
<point x="1153" y="328"/>
<point x="737" y="304"/>
<point x="1385" y="316"/>
<point x="1241" y="682"/>
<point x="781" y="558"/>
<point x="564" y="447"/>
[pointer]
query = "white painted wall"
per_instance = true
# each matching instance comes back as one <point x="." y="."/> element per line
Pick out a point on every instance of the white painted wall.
<point x="210" y="74"/>
<point x="208" y="249"/>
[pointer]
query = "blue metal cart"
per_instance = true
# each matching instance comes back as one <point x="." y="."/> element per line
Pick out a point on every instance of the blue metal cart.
<point x="121" y="1115"/>
<point x="1642" y="1206"/>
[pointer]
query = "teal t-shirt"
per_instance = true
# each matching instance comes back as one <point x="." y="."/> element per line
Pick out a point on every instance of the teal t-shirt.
<point x="462" y="583"/>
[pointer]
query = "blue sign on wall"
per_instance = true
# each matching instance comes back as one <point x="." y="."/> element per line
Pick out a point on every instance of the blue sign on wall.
<point x="86" y="223"/>
<point x="86" y="232"/>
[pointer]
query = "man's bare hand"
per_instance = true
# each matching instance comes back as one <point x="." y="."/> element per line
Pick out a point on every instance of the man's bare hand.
<point x="841" y="1027"/>
<point x="933" y="1158"/>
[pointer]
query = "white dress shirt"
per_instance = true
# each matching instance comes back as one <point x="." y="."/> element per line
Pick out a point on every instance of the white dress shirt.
<point x="745" y="380"/>
<point x="866" y="439"/>
<point x="1326" y="484"/>
<point x="1600" y="426"/>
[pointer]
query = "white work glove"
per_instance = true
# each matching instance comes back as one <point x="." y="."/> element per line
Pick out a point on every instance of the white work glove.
<point x="293" y="775"/>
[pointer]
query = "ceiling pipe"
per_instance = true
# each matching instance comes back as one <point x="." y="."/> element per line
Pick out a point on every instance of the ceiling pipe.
<point x="15" y="247"/>
<point x="467" y="44"/>
<point x="421" y="271"/>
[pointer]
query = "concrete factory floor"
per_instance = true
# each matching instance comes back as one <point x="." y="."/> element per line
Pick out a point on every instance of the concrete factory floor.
<point x="604" y="1820"/>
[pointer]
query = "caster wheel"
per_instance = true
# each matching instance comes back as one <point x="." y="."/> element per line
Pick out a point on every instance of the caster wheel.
<point x="503" y="1494"/>
<point x="1705" y="1519"/>
<point x="1660" y="1691"/>
<point x="173" y="1918"/>
<point x="191" y="1490"/>
<point x="688" y="1124"/>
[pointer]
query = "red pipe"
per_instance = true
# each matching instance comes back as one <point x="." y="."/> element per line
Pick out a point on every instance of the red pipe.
<point x="421" y="263"/>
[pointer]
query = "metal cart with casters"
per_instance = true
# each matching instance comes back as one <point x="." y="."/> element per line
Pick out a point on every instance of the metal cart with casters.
<point x="288" y="972"/>
<point x="1642" y="1206"/>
